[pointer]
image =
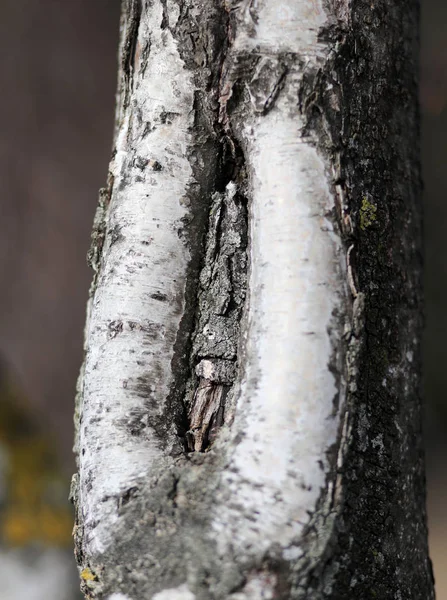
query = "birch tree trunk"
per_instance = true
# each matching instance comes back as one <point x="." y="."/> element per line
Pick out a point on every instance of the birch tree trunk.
<point x="249" y="417"/>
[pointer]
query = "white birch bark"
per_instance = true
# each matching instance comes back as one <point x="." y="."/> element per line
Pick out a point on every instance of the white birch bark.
<point x="219" y="410"/>
<point x="139" y="299"/>
<point x="284" y="409"/>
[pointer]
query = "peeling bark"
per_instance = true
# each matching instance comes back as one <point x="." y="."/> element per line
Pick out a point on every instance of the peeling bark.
<point x="249" y="410"/>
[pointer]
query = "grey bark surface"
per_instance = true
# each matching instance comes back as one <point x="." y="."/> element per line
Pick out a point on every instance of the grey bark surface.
<point x="366" y="536"/>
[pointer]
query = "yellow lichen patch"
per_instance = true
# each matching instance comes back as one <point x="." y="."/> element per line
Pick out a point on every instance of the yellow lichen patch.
<point x="87" y="575"/>
<point x="368" y="212"/>
<point x="34" y="491"/>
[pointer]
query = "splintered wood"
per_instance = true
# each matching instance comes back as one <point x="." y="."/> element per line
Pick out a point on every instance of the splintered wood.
<point x="206" y="416"/>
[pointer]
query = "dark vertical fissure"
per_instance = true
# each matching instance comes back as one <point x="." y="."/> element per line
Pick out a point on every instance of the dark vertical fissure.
<point x="205" y="352"/>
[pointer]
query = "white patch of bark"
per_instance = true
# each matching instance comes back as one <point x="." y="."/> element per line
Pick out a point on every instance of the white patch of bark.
<point x="284" y="414"/>
<point x="181" y="592"/>
<point x="298" y="23"/>
<point x="131" y="333"/>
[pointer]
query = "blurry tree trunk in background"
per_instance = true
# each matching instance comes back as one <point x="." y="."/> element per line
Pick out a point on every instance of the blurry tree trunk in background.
<point x="58" y="72"/>
<point x="249" y="411"/>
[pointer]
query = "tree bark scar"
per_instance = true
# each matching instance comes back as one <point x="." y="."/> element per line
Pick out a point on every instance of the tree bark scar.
<point x="216" y="335"/>
<point x="206" y="415"/>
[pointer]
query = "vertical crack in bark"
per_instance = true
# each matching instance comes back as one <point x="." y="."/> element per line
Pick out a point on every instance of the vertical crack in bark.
<point x="209" y="400"/>
<point x="207" y="343"/>
<point x="221" y="298"/>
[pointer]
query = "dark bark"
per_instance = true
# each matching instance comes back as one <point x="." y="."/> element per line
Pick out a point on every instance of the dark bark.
<point x="380" y="547"/>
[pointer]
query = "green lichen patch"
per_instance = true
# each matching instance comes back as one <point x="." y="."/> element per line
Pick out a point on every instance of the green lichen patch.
<point x="368" y="214"/>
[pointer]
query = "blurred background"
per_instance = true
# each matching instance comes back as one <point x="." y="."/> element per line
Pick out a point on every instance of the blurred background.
<point x="58" y="65"/>
<point x="434" y="164"/>
<point x="58" y="68"/>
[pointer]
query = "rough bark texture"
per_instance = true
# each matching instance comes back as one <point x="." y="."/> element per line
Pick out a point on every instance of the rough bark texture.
<point x="257" y="295"/>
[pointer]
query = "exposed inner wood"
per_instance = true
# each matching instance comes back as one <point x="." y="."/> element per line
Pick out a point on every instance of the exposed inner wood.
<point x="207" y="415"/>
